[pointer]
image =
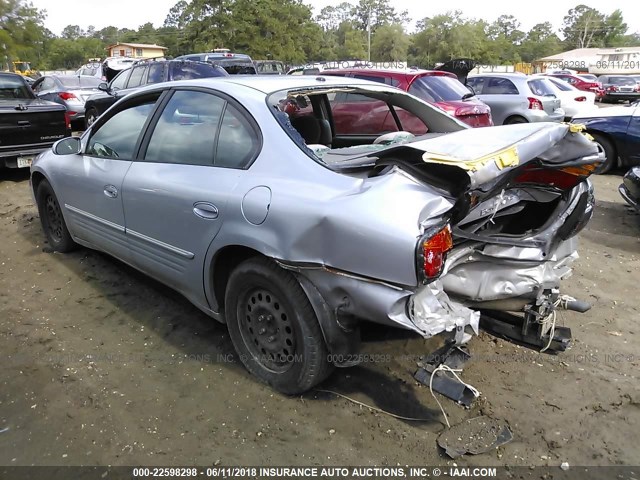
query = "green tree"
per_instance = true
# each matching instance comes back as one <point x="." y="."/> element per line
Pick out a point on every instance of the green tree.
<point x="22" y="33"/>
<point x="614" y="30"/>
<point x="389" y="43"/>
<point x="584" y="27"/>
<point x="541" y="41"/>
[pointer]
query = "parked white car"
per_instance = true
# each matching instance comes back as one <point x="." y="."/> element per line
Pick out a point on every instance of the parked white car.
<point x="573" y="101"/>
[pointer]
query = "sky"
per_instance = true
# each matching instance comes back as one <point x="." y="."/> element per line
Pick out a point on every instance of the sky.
<point x="133" y="13"/>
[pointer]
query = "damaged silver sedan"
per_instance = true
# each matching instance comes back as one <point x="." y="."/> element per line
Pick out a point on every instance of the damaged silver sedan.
<point x="293" y="210"/>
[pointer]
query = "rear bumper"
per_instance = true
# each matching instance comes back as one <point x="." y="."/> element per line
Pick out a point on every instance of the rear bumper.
<point x="9" y="158"/>
<point x="426" y="310"/>
<point x="622" y="96"/>
<point x="542" y="116"/>
<point x="510" y="271"/>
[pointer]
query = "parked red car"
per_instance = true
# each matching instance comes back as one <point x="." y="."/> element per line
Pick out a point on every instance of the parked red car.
<point x="438" y="88"/>
<point x="581" y="83"/>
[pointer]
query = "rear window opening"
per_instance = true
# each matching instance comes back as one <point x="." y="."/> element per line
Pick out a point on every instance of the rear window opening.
<point x="438" y="88"/>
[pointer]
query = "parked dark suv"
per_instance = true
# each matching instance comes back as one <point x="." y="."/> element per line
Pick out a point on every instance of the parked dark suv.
<point x="143" y="73"/>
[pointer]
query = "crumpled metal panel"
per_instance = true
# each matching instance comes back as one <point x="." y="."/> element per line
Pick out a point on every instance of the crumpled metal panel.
<point x="428" y="310"/>
<point x="433" y="312"/>
<point x="480" y="277"/>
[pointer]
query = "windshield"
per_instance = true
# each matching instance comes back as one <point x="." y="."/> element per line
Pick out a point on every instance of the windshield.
<point x="591" y="78"/>
<point x="438" y="88"/>
<point x="14" y="87"/>
<point x="622" y="81"/>
<point x="82" y="82"/>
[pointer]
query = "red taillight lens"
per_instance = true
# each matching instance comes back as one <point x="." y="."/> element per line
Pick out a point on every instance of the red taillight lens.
<point x="535" y="104"/>
<point x="612" y="88"/>
<point x="67" y="119"/>
<point x="581" y="99"/>
<point x="67" y="96"/>
<point x="564" y="179"/>
<point x="432" y="253"/>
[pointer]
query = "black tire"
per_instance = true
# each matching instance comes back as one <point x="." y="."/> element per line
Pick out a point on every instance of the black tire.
<point x="90" y="117"/>
<point x="609" y="152"/>
<point x="515" y="120"/>
<point x="53" y="224"/>
<point x="273" y="327"/>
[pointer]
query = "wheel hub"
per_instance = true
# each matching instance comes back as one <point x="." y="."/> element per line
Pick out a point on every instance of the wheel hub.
<point x="54" y="217"/>
<point x="267" y="330"/>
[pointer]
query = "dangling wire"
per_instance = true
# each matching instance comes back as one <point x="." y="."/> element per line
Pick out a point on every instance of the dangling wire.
<point x="446" y="368"/>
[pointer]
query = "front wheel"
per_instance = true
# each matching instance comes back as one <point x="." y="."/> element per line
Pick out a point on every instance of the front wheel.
<point x="609" y="152"/>
<point x="53" y="224"/>
<point x="273" y="327"/>
<point x="91" y="116"/>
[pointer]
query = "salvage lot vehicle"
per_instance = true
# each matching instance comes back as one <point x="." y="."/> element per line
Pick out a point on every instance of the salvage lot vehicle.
<point x="630" y="188"/>
<point x="71" y="91"/>
<point x="438" y="88"/>
<point x="206" y="186"/>
<point x="145" y="72"/>
<point x="233" y="63"/>
<point x="573" y="101"/>
<point x="28" y="125"/>
<point x="517" y="98"/>
<point x="617" y="130"/>
<point x="619" y="87"/>
<point x="582" y="82"/>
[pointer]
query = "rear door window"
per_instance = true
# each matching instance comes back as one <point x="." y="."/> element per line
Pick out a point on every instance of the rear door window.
<point x="499" y="86"/>
<point x="476" y="84"/>
<point x="156" y="73"/>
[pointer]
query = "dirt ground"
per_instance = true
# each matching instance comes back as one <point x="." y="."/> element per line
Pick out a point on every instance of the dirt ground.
<point x="101" y="365"/>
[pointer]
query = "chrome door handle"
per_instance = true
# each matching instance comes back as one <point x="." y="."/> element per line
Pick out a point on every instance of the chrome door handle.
<point x="205" y="210"/>
<point x="110" y="191"/>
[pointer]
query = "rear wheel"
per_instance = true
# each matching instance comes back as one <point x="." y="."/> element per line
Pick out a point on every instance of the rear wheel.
<point x="609" y="152"/>
<point x="515" y="120"/>
<point x="53" y="224"/>
<point x="273" y="327"/>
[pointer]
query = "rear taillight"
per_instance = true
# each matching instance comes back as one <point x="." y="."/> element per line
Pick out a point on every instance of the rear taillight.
<point x="67" y="119"/>
<point x="535" y="104"/>
<point x="67" y="96"/>
<point x="432" y="253"/>
<point x="612" y="88"/>
<point x="563" y="178"/>
<point x="581" y="99"/>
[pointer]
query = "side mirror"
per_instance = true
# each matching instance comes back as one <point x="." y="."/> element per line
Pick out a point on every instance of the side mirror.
<point x="67" y="146"/>
<point x="104" y="86"/>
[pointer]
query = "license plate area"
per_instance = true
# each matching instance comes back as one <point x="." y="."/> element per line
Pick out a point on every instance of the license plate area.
<point x="26" y="161"/>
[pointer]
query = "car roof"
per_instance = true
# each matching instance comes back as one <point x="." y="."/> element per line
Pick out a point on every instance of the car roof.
<point x="268" y="84"/>
<point x="496" y="74"/>
<point x="396" y="72"/>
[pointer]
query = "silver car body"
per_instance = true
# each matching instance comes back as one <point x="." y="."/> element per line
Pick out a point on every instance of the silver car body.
<point x="72" y="91"/>
<point x="349" y="237"/>
<point x="509" y="94"/>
